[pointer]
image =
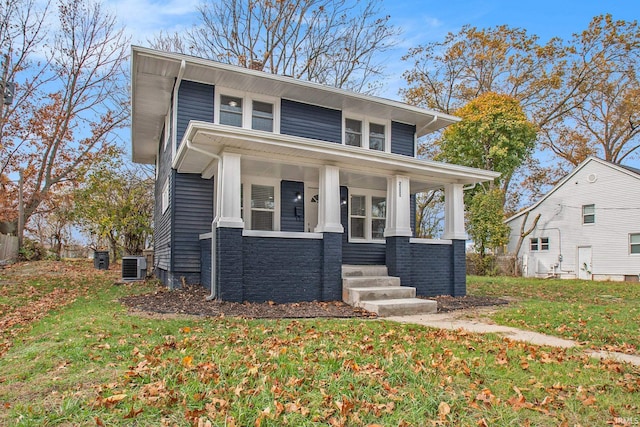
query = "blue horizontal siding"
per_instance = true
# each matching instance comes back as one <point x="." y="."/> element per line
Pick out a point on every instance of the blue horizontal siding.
<point x="195" y="102"/>
<point x="310" y="121"/>
<point x="403" y="139"/>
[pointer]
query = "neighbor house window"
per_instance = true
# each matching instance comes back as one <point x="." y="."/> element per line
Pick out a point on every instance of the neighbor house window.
<point x="165" y="195"/>
<point x="353" y="132"/>
<point x="262" y="207"/>
<point x="367" y="217"/>
<point x="588" y="214"/>
<point x="262" y="116"/>
<point x="539" y="244"/>
<point x="230" y="110"/>
<point x="634" y="243"/>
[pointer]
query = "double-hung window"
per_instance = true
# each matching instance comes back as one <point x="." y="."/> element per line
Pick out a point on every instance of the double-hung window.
<point x="367" y="217"/>
<point x="634" y="243"/>
<point x="539" y="244"/>
<point x="262" y="116"/>
<point x="230" y="110"/>
<point x="588" y="214"/>
<point x="353" y="132"/>
<point x="373" y="135"/>
<point x="262" y="207"/>
<point x="240" y="109"/>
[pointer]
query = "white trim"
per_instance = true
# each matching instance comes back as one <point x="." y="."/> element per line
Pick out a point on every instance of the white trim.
<point x="368" y="218"/>
<point x="570" y="176"/>
<point x="165" y="195"/>
<point x="247" y="107"/>
<point x="206" y="236"/>
<point x="167" y="129"/>
<point x="212" y="137"/>
<point x="282" y="234"/>
<point x="420" y="241"/>
<point x="366" y="121"/>
<point x="247" y="182"/>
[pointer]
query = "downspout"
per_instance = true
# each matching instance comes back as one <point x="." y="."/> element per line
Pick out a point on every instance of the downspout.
<point x="174" y="110"/>
<point x="214" y="272"/>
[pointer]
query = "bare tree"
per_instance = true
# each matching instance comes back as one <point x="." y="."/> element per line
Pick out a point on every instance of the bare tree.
<point x="334" y="42"/>
<point x="523" y="235"/>
<point x="69" y="124"/>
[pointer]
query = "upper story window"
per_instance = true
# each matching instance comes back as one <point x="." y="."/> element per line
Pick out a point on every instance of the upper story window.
<point x="634" y="243"/>
<point x="588" y="214"/>
<point x="539" y="244"/>
<point x="245" y="110"/>
<point x="353" y="132"/>
<point x="230" y="111"/>
<point x="371" y="134"/>
<point x="262" y="116"/>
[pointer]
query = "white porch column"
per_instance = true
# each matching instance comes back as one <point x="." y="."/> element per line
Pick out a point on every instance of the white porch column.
<point x="398" y="207"/>
<point x="454" y="212"/>
<point x="229" y="197"/>
<point x="329" y="201"/>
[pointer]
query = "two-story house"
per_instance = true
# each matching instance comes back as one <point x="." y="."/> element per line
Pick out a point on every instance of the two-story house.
<point x="268" y="185"/>
<point x="588" y="226"/>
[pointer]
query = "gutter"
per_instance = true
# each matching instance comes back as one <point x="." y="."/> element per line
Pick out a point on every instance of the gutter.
<point x="214" y="272"/>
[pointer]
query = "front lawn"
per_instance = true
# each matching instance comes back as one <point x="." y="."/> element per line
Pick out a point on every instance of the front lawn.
<point x="84" y="360"/>
<point x="602" y="315"/>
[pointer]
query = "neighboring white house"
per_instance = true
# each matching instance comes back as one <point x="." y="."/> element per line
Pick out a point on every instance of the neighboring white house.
<point x="589" y="226"/>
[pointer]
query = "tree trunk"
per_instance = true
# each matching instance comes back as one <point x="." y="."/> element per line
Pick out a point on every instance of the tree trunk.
<point x="523" y="235"/>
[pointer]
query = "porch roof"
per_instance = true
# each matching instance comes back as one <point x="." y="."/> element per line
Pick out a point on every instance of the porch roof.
<point x="154" y="74"/>
<point x="202" y="138"/>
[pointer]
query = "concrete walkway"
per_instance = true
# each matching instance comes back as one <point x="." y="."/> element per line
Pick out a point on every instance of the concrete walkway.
<point x="473" y="321"/>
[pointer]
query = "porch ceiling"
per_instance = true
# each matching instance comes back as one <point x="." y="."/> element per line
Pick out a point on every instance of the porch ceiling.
<point x="295" y="158"/>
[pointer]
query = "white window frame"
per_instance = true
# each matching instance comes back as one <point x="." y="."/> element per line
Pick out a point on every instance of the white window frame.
<point x="368" y="194"/>
<point x="366" y="121"/>
<point x="540" y="245"/>
<point x="594" y="214"/>
<point x="633" y="244"/>
<point x="165" y="195"/>
<point x="247" y="182"/>
<point x="247" y="107"/>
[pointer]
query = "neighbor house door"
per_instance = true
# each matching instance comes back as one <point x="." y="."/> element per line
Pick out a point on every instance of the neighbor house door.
<point x="584" y="263"/>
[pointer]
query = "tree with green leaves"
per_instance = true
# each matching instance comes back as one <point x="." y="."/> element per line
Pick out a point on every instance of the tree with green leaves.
<point x="117" y="206"/>
<point x="494" y="134"/>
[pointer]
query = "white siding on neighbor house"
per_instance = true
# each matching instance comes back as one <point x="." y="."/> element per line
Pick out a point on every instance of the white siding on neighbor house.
<point x="616" y="196"/>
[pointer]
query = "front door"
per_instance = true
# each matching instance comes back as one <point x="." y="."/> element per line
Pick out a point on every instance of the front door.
<point x="584" y="263"/>
<point x="311" y="209"/>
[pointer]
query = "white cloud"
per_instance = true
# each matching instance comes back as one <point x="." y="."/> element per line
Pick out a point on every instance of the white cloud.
<point x="144" y="18"/>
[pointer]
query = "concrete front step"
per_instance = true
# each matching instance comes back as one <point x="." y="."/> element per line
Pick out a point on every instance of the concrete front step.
<point x="355" y="295"/>
<point x="400" y="307"/>
<point x="370" y="282"/>
<point x="364" y="270"/>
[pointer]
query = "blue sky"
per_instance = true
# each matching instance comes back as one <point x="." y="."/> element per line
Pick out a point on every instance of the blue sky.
<point x="420" y="21"/>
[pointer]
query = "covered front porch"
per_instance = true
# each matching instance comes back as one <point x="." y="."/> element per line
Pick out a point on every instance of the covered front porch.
<point x="290" y="211"/>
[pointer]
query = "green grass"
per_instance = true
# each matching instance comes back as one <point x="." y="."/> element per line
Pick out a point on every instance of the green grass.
<point x="91" y="363"/>
<point x="602" y="315"/>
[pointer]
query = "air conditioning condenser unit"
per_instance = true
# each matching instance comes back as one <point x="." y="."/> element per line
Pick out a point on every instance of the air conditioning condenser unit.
<point x="134" y="268"/>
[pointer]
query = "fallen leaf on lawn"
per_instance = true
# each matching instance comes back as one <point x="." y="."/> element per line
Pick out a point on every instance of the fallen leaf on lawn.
<point x="115" y="398"/>
<point x="443" y="410"/>
<point x="133" y="413"/>
<point x="187" y="361"/>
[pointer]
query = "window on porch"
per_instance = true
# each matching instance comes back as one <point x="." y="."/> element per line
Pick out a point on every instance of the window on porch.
<point x="262" y="207"/>
<point x="367" y="217"/>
